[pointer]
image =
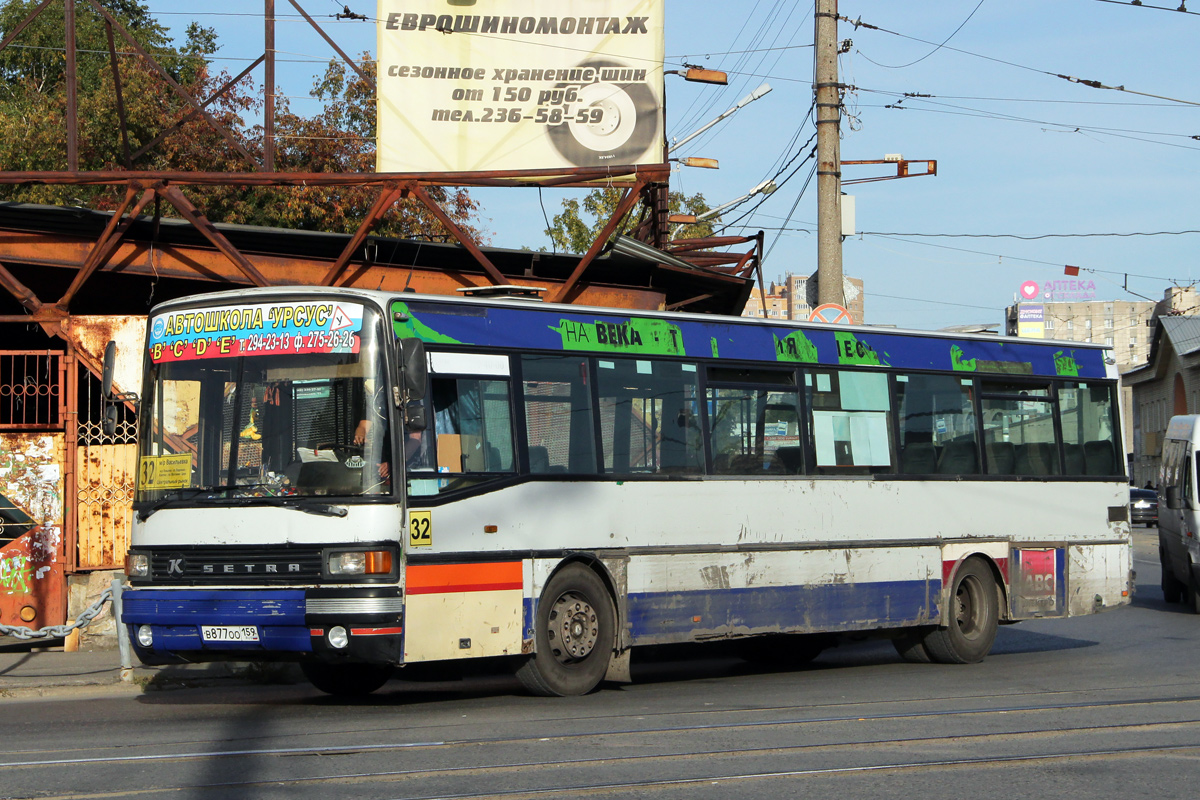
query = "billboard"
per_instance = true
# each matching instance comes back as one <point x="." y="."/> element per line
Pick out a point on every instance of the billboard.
<point x="1031" y="321"/>
<point x="540" y="84"/>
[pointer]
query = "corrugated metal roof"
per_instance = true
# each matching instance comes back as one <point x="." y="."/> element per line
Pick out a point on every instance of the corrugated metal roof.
<point x="1184" y="333"/>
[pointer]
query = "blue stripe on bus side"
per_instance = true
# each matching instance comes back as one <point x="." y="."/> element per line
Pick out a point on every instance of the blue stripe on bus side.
<point x="669" y="616"/>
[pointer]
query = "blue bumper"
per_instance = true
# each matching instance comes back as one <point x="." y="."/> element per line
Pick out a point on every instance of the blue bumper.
<point x="175" y="618"/>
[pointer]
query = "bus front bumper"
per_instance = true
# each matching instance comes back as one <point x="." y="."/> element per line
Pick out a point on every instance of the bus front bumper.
<point x="186" y="625"/>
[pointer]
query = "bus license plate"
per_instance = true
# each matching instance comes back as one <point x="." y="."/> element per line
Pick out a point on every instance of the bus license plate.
<point x="229" y="633"/>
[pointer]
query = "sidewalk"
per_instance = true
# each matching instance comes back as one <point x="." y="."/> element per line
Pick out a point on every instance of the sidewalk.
<point x="42" y="667"/>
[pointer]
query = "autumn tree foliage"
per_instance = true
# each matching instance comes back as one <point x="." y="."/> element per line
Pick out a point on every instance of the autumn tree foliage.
<point x="580" y="222"/>
<point x="340" y="138"/>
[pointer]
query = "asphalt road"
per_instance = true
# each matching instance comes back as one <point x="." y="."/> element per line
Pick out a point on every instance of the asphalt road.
<point x="1098" y="707"/>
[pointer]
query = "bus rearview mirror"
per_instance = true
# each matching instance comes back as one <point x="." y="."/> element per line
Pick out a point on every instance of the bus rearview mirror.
<point x="413" y="368"/>
<point x="110" y="360"/>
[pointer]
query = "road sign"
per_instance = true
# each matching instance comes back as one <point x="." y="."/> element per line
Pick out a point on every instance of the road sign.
<point x="831" y="312"/>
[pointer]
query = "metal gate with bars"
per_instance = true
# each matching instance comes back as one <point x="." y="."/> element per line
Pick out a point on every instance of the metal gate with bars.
<point x="105" y="475"/>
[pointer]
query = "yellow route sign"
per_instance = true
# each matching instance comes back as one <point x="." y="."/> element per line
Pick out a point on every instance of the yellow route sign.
<point x="173" y="471"/>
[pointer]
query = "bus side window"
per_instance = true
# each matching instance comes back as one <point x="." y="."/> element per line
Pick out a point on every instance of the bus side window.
<point x="754" y="431"/>
<point x="649" y="417"/>
<point x="1086" y="413"/>
<point x="850" y="421"/>
<point x="1021" y="415"/>
<point x="559" y="435"/>
<point x="473" y="425"/>
<point x="937" y="425"/>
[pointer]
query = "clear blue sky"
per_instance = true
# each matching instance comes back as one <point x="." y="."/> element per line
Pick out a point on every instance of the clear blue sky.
<point x="1020" y="152"/>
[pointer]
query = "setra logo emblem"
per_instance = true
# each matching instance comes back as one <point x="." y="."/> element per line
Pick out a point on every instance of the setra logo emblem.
<point x="176" y="566"/>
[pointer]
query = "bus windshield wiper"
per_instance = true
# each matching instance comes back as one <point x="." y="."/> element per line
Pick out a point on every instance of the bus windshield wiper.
<point x="183" y="493"/>
<point x="298" y="502"/>
<point x="222" y="495"/>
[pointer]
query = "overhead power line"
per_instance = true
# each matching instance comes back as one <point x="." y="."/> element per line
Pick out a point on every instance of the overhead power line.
<point x="1139" y="4"/>
<point x="1094" y="84"/>
<point x="939" y="47"/>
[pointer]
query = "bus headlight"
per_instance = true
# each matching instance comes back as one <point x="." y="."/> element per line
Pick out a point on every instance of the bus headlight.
<point x="361" y="562"/>
<point x="338" y="637"/>
<point x="137" y="565"/>
<point x="145" y="636"/>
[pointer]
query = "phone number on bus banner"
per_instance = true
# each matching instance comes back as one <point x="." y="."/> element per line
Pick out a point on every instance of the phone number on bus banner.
<point x="277" y="328"/>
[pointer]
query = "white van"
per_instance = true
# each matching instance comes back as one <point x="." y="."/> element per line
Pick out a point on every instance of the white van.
<point x="1179" y="511"/>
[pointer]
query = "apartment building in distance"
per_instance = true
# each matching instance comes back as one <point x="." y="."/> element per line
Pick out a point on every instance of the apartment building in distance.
<point x="790" y="299"/>
<point x="1070" y="310"/>
<point x="1169" y="383"/>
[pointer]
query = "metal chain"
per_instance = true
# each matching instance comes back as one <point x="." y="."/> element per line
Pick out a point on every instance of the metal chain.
<point x="59" y="631"/>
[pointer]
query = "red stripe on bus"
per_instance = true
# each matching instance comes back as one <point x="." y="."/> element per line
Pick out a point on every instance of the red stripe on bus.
<point x="375" y="631"/>
<point x="466" y="587"/>
<point x="446" y="578"/>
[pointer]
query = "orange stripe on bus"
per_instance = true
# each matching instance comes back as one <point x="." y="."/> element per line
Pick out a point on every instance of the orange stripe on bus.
<point x="446" y="578"/>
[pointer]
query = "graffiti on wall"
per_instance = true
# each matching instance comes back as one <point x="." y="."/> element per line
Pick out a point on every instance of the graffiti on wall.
<point x="31" y="525"/>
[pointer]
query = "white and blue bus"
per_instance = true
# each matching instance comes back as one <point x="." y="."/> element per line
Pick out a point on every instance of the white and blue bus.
<point x="358" y="480"/>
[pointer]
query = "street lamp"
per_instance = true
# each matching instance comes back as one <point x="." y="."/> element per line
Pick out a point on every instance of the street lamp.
<point x="750" y="98"/>
<point x="766" y="187"/>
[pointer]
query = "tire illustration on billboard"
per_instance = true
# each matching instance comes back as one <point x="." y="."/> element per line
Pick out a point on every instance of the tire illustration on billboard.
<point x="610" y="122"/>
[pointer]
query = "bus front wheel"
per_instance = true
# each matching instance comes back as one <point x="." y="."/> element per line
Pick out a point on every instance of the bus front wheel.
<point x="971" y="619"/>
<point x="346" y="680"/>
<point x="574" y="635"/>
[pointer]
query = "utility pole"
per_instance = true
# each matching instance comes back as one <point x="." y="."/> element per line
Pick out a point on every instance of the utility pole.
<point x="269" y="86"/>
<point x="829" y="174"/>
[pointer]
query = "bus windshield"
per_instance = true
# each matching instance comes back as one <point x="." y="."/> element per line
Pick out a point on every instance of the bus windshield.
<point x="261" y="414"/>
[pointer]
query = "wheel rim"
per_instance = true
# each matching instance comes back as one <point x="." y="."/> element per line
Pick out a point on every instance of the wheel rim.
<point x="969" y="607"/>
<point x="573" y="628"/>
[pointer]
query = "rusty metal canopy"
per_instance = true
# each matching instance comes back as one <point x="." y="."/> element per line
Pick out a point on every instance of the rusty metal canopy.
<point x="45" y="248"/>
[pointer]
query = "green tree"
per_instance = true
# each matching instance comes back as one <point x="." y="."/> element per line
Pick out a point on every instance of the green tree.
<point x="570" y="231"/>
<point x="338" y="138"/>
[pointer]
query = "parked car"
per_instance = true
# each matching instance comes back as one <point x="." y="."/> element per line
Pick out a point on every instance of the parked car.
<point x="1143" y="507"/>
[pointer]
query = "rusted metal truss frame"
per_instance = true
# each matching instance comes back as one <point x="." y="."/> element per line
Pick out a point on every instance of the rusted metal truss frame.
<point x="648" y="180"/>
<point x="587" y="177"/>
<point x="700" y="252"/>
<point x="142" y="187"/>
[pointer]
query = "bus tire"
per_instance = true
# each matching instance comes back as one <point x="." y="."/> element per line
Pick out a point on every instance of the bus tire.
<point x="346" y="680"/>
<point x="971" y="619"/>
<point x="1172" y="587"/>
<point x="911" y="646"/>
<point x="573" y="635"/>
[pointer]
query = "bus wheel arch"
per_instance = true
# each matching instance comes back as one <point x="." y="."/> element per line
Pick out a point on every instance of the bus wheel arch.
<point x="575" y="632"/>
<point x="972" y="610"/>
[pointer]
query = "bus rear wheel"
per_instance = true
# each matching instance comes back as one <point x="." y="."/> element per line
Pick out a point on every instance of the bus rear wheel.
<point x="911" y="646"/>
<point x="346" y="680"/>
<point x="573" y="635"/>
<point x="971" y="620"/>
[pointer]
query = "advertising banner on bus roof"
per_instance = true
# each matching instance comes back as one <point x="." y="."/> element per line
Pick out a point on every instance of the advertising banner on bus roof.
<point x="540" y="84"/>
<point x="313" y="326"/>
